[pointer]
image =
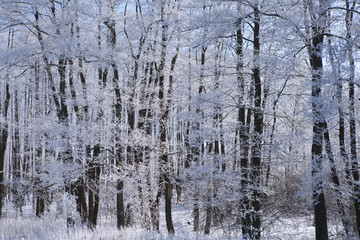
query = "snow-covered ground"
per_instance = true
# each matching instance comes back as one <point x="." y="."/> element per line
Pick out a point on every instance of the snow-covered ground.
<point x="51" y="227"/>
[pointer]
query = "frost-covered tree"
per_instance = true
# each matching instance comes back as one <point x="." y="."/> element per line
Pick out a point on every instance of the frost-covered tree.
<point x="114" y="107"/>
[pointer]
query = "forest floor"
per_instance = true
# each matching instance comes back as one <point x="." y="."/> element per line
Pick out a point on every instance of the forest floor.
<point x="52" y="227"/>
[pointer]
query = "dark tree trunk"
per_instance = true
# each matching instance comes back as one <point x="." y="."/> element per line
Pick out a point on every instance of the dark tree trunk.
<point x="40" y="206"/>
<point x="341" y="134"/>
<point x="154" y="211"/>
<point x="343" y="151"/>
<point x="75" y="188"/>
<point x="335" y="179"/>
<point x="120" y="206"/>
<point x="165" y="110"/>
<point x="321" y="231"/>
<point x="208" y="212"/>
<point x="120" y="211"/>
<point x="3" y="143"/>
<point x="315" y="54"/>
<point x="168" y="184"/>
<point x="59" y="99"/>
<point x="243" y="131"/>
<point x="94" y="179"/>
<point x="216" y="149"/>
<point x="255" y="168"/>
<point x="16" y="189"/>
<point x="191" y="151"/>
<point x="168" y="196"/>
<point x="79" y="190"/>
<point x="352" y="121"/>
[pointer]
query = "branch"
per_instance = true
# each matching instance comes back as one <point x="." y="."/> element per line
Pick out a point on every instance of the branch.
<point x="345" y="9"/>
<point x="342" y="38"/>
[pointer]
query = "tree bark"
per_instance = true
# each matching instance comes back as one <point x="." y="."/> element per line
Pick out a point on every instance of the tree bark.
<point x="335" y="180"/>
<point x="165" y="109"/>
<point x="120" y="206"/>
<point x="352" y="121"/>
<point x="341" y="134"/>
<point x="243" y="131"/>
<point x="3" y="143"/>
<point x="315" y="45"/>
<point x="255" y="168"/>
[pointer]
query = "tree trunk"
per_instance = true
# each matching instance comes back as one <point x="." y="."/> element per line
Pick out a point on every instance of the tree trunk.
<point x="335" y="180"/>
<point x="16" y="188"/>
<point x="94" y="179"/>
<point x="165" y="102"/>
<point x="40" y="206"/>
<point x="255" y="168"/>
<point x="120" y="206"/>
<point x="315" y="45"/>
<point x="3" y="143"/>
<point x="352" y="121"/>
<point x="208" y="212"/>
<point x="154" y="210"/>
<point x="244" y="126"/>
<point x="120" y="211"/>
<point x="343" y="153"/>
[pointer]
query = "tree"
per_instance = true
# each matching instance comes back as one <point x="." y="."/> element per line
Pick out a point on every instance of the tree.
<point x="315" y="42"/>
<point x="116" y="106"/>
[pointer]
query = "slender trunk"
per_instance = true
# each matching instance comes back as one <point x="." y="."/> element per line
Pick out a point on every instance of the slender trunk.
<point x="343" y="153"/>
<point x="219" y="144"/>
<point x="154" y="211"/>
<point x="165" y="108"/>
<point x="315" y="54"/>
<point x="244" y="124"/>
<point x="197" y="145"/>
<point x="208" y="212"/>
<point x="335" y="179"/>
<point x="209" y="199"/>
<point x="78" y="188"/>
<point x="40" y="195"/>
<point x="40" y="206"/>
<point x="190" y="156"/>
<point x="255" y="167"/>
<point x="16" y="158"/>
<point x="352" y="121"/>
<point x="339" y="89"/>
<point x="96" y="208"/>
<point x="120" y="211"/>
<point x="93" y="175"/>
<point x="120" y="206"/>
<point x="3" y="143"/>
<point x="321" y="231"/>
<point x="272" y="134"/>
